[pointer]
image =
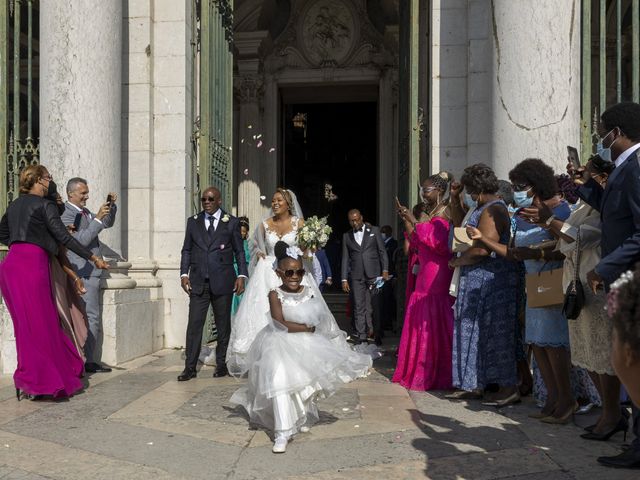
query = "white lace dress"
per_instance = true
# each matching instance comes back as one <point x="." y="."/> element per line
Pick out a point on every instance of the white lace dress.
<point x="289" y="371"/>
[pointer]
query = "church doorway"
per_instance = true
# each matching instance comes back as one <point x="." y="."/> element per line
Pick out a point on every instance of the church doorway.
<point x="331" y="161"/>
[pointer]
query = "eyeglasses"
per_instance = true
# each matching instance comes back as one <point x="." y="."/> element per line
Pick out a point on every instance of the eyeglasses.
<point x="47" y="177"/>
<point x="208" y="199"/>
<point x="429" y="189"/>
<point x="520" y="187"/>
<point x="290" y="273"/>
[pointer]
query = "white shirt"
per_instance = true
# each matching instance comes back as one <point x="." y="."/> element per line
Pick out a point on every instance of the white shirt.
<point x="86" y="212"/>
<point x="626" y="154"/>
<point x="216" y="218"/>
<point x="359" y="235"/>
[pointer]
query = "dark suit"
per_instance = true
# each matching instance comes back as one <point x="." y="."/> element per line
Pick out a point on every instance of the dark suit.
<point x="361" y="265"/>
<point x="619" y="206"/>
<point x="207" y="257"/>
<point x="389" y="289"/>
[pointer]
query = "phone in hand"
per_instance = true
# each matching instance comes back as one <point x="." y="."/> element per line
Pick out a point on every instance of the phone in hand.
<point x="398" y="204"/>
<point x="76" y="221"/>
<point x="109" y="199"/>
<point x="572" y="154"/>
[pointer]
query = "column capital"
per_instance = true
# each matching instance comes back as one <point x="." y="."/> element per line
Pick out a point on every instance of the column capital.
<point x="249" y="88"/>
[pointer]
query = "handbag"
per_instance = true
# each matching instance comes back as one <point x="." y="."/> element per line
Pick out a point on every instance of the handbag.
<point x="544" y="289"/>
<point x="574" y="296"/>
<point x="460" y="241"/>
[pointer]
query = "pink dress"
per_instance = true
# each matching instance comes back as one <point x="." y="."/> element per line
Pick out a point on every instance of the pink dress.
<point x="411" y="277"/>
<point x="424" y="354"/>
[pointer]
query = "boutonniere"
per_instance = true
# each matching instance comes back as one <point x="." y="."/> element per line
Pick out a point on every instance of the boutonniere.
<point x="195" y="217"/>
<point x="225" y="218"/>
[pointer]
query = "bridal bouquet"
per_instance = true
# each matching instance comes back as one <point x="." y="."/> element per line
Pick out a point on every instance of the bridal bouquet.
<point x="314" y="234"/>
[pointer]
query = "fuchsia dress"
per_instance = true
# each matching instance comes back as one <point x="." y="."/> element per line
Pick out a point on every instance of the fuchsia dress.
<point x="424" y="354"/>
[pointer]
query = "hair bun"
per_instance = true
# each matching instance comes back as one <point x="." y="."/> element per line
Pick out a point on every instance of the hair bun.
<point x="445" y="176"/>
<point x="280" y="250"/>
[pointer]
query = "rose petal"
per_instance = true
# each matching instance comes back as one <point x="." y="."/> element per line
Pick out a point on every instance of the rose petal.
<point x="272" y="149"/>
<point x="259" y="144"/>
<point x="262" y="197"/>
<point x="246" y="171"/>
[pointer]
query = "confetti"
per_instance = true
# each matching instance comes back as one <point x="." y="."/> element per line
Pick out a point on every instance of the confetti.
<point x="262" y="197"/>
<point x="242" y="140"/>
<point x="259" y="144"/>
<point x="356" y="426"/>
<point x="149" y="443"/>
<point x="193" y="404"/>
<point x="246" y="171"/>
<point x="254" y="137"/>
<point x="272" y="149"/>
<point x="249" y="126"/>
<point x="345" y="409"/>
<point x="259" y="136"/>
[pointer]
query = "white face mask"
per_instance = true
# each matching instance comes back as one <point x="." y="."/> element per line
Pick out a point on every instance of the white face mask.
<point x="605" y="153"/>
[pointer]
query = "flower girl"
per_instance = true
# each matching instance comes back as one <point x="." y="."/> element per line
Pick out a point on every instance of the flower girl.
<point x="299" y="357"/>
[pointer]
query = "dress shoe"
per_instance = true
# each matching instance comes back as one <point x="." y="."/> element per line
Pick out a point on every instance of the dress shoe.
<point x="187" y="375"/>
<point x="564" y="419"/>
<point x="221" y="372"/>
<point x="92" y="367"/>
<point x="280" y="445"/>
<point x="622" y="426"/>
<point x="504" y="402"/>
<point x="464" y="395"/>
<point x="630" y="458"/>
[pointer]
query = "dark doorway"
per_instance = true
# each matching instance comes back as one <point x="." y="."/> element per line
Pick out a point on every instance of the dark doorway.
<point x="330" y="162"/>
<point x="332" y="144"/>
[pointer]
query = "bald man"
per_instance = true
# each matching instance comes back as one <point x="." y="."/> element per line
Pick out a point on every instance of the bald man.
<point x="364" y="262"/>
<point x="211" y="242"/>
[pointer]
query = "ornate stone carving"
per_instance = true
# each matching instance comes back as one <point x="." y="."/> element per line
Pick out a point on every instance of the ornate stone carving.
<point x="249" y="88"/>
<point x="327" y="31"/>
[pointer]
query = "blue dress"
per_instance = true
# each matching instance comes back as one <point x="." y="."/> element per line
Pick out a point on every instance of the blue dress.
<point x="545" y="326"/>
<point x="485" y="330"/>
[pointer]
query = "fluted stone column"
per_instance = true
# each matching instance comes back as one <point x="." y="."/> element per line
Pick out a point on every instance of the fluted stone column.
<point x="80" y="97"/>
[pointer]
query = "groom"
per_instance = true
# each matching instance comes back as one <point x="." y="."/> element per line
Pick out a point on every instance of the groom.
<point x="207" y="275"/>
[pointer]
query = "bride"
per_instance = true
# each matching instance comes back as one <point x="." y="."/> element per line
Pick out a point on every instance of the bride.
<point x="253" y="314"/>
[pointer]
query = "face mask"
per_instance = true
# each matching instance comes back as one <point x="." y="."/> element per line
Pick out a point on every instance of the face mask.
<point x="52" y="191"/>
<point x="469" y="201"/>
<point x="511" y="209"/>
<point x="605" y="153"/>
<point x="522" y="200"/>
<point x="384" y="236"/>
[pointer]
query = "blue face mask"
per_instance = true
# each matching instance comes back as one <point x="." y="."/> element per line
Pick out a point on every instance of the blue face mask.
<point x="522" y="200"/>
<point x="604" y="153"/>
<point x="469" y="201"/>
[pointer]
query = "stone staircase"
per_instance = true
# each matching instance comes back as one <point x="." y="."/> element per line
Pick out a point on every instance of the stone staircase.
<point x="337" y="302"/>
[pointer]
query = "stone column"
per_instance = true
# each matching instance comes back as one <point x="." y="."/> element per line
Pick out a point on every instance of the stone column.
<point x="80" y="97"/>
<point x="535" y="82"/>
<point x="253" y="145"/>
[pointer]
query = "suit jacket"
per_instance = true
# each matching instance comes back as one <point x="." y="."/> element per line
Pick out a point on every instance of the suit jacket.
<point x="391" y="245"/>
<point x="87" y="235"/>
<point x="619" y="206"/>
<point x="366" y="261"/>
<point x="204" y="257"/>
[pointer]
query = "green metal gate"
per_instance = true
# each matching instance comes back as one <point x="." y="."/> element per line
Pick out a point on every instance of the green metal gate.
<point x="610" y="60"/>
<point x="216" y="97"/>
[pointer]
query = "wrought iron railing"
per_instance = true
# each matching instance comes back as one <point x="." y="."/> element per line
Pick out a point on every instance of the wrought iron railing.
<point x="610" y="60"/>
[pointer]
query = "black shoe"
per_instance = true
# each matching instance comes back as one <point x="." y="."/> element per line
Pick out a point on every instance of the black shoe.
<point x="622" y="426"/>
<point x="221" y="372"/>
<point x="590" y="428"/>
<point x="354" y="340"/>
<point x="187" y="374"/>
<point x="92" y="367"/>
<point x="630" y="458"/>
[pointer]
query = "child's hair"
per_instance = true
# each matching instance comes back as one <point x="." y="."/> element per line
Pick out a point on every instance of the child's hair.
<point x="244" y="222"/>
<point x="280" y="251"/>
<point x="624" y="302"/>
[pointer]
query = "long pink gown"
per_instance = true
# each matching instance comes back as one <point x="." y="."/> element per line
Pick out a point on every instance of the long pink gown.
<point x="424" y="354"/>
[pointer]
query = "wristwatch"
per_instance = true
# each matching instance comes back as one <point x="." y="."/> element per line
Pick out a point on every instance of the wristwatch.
<point x="549" y="220"/>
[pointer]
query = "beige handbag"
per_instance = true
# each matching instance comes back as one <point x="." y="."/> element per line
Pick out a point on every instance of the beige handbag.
<point x="460" y="241"/>
<point x="544" y="289"/>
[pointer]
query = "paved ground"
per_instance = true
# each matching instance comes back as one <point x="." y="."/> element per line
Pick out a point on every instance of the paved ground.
<point x="139" y="423"/>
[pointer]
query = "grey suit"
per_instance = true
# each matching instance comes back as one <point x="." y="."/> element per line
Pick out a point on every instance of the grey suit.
<point x="361" y="265"/>
<point x="87" y="235"/>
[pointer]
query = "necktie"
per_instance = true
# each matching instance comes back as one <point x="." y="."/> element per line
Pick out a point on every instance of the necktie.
<point x="212" y="227"/>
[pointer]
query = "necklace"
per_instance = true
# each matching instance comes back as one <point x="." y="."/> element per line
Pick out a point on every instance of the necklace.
<point x="437" y="209"/>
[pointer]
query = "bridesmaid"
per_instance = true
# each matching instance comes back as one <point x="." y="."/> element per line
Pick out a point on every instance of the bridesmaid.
<point x="48" y="361"/>
<point x="244" y="231"/>
<point x="424" y="354"/>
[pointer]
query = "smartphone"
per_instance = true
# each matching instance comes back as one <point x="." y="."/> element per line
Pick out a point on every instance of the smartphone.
<point x="76" y="221"/>
<point x="572" y="153"/>
<point x="109" y="199"/>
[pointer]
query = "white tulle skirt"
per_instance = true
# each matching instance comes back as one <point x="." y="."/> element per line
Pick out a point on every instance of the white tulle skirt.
<point x="289" y="371"/>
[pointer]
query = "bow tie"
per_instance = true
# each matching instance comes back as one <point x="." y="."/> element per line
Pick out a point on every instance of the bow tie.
<point x="361" y="229"/>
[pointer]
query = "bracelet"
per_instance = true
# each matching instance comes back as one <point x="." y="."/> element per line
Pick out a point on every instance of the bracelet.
<point x="549" y="220"/>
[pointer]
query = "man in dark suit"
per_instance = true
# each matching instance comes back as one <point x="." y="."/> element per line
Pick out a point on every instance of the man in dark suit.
<point x="619" y="206"/>
<point x="388" y="290"/>
<point x="211" y="242"/>
<point x="364" y="263"/>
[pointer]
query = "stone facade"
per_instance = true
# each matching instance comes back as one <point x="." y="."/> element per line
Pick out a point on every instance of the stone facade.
<point x="499" y="82"/>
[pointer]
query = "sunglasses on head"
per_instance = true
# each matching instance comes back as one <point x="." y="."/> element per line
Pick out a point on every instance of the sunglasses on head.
<point x="289" y="273"/>
<point x="209" y="199"/>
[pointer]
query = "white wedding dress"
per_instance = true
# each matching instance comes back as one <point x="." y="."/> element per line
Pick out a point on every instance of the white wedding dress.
<point x="289" y="371"/>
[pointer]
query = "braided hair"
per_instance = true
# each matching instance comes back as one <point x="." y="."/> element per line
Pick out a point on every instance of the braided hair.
<point x="626" y="310"/>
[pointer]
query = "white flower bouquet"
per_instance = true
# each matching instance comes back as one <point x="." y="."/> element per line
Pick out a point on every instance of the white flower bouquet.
<point x="314" y="234"/>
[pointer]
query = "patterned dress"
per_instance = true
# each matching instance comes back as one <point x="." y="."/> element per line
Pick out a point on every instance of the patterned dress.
<point x="485" y="331"/>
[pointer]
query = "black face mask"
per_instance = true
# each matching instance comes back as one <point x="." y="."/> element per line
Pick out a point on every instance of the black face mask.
<point x="52" y="194"/>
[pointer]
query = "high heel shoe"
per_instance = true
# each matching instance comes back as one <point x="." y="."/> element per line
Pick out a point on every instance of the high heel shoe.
<point x="18" y="394"/>
<point x="622" y="426"/>
<point x="564" y="419"/>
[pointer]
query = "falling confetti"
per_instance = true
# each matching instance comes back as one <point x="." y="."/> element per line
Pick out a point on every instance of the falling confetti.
<point x="356" y="426"/>
<point x="254" y="137"/>
<point x="259" y="144"/>
<point x="262" y="197"/>
<point x="249" y="126"/>
<point x="242" y="140"/>
<point x="272" y="149"/>
<point x="259" y="136"/>
<point x="149" y="443"/>
<point x="246" y="171"/>
<point x="345" y="409"/>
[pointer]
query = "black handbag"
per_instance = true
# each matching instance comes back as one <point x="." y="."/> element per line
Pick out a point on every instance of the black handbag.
<point x="574" y="296"/>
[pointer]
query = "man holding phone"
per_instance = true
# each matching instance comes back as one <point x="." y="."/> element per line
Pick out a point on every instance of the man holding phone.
<point x="86" y="228"/>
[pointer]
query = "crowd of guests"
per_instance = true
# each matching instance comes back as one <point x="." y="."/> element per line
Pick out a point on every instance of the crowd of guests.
<point x="477" y="308"/>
